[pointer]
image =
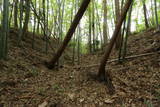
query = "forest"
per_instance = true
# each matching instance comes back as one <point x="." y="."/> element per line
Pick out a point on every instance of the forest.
<point x="79" y="53"/>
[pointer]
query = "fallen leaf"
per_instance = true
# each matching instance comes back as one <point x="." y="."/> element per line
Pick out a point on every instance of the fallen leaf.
<point x="81" y="100"/>
<point x="44" y="104"/>
<point x="71" y="96"/>
<point x="109" y="101"/>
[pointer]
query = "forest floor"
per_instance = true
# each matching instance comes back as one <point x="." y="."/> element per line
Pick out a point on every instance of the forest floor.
<point x="26" y="82"/>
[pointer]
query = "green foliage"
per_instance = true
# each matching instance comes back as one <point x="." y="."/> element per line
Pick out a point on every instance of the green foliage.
<point x="140" y="27"/>
<point x="148" y="103"/>
<point x="84" y="49"/>
<point x="72" y="44"/>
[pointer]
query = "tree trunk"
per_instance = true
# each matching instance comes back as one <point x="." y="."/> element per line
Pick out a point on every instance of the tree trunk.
<point x="99" y="28"/>
<point x="93" y="25"/>
<point x="90" y="31"/>
<point x="69" y="34"/>
<point x="156" y="14"/>
<point x="152" y="10"/>
<point x="117" y="11"/>
<point x="102" y="75"/>
<point x="38" y="23"/>
<point x="16" y="14"/>
<point x="73" y="8"/>
<point x="145" y="14"/>
<point x="105" y="37"/>
<point x="27" y="15"/>
<point x="20" y="22"/>
<point x="4" y="32"/>
<point x="127" y="32"/>
<point x="34" y="28"/>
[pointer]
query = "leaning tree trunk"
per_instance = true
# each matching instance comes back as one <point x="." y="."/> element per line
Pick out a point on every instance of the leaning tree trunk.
<point x="102" y="75"/>
<point x="69" y="34"/>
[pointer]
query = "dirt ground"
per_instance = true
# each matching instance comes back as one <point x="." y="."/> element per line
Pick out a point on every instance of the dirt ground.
<point x="26" y="82"/>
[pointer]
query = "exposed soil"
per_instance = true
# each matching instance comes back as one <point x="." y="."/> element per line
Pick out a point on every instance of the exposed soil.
<point x="25" y="81"/>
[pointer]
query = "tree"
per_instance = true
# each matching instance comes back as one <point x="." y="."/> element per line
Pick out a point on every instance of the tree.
<point x="16" y="14"/>
<point x="145" y="14"/>
<point x="27" y="16"/>
<point x="105" y="22"/>
<point x="34" y="29"/>
<point x="127" y="32"/>
<point x="4" y="31"/>
<point x="117" y="11"/>
<point x="90" y="30"/>
<point x="93" y="24"/>
<point x="155" y="5"/>
<point x="20" y="22"/>
<point x="69" y="34"/>
<point x="102" y="75"/>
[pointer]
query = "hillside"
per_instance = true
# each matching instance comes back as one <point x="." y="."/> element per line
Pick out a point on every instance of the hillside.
<point x="24" y="80"/>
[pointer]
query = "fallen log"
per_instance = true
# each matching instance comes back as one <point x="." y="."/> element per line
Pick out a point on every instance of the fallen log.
<point x="127" y="58"/>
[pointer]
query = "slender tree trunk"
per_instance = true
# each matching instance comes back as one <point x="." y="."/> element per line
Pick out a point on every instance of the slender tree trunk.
<point x="38" y="24"/>
<point x="11" y="14"/>
<point x="102" y="75"/>
<point x="117" y="11"/>
<point x="27" y="16"/>
<point x="78" y="37"/>
<point x="127" y="32"/>
<point x="69" y="34"/>
<point x="145" y="14"/>
<point x="5" y="29"/>
<point x="78" y="40"/>
<point x="73" y="8"/>
<point x="99" y="28"/>
<point x="105" y="37"/>
<point x="152" y="9"/>
<point x="34" y="28"/>
<point x="45" y="26"/>
<point x="156" y="14"/>
<point x="20" y="22"/>
<point x="16" y="14"/>
<point x="93" y="24"/>
<point x="90" y="31"/>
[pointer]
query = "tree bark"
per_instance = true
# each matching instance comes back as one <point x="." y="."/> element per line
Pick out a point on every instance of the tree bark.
<point x="105" y="37"/>
<point x="16" y="14"/>
<point x="27" y="16"/>
<point x="145" y="14"/>
<point x="117" y="11"/>
<point x="4" y="30"/>
<point x="127" y="32"/>
<point x="90" y="31"/>
<point x="156" y="14"/>
<point x="102" y="75"/>
<point x="69" y="34"/>
<point x="93" y="25"/>
<point x="20" y="22"/>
